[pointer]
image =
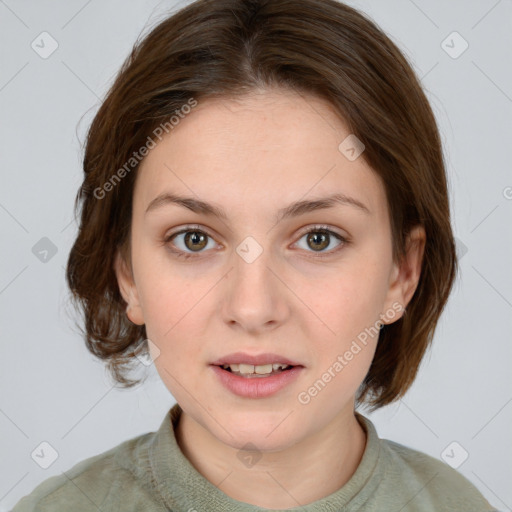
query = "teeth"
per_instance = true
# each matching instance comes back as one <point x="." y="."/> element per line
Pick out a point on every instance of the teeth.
<point x="246" y="368"/>
<point x="262" y="369"/>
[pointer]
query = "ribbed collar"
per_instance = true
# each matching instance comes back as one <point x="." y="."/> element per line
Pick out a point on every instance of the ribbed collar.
<point x="182" y="488"/>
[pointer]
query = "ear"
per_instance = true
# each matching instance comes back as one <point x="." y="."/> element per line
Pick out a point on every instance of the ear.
<point x="406" y="274"/>
<point x="128" y="290"/>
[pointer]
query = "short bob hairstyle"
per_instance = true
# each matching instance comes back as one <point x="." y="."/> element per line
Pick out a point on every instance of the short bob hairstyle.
<point x="228" y="48"/>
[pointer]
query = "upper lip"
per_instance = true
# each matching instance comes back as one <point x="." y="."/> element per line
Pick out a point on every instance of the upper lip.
<point x="256" y="360"/>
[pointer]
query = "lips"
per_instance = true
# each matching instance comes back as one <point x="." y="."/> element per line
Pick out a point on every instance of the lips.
<point x="256" y="360"/>
<point x="255" y="386"/>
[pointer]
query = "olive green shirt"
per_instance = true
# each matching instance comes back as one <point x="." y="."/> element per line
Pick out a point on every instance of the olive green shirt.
<point x="150" y="473"/>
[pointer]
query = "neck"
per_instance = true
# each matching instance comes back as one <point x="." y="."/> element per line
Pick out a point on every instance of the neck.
<point x="310" y="470"/>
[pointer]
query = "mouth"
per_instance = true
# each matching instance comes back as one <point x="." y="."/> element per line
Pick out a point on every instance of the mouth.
<point x="256" y="377"/>
<point x="251" y="371"/>
<point x="255" y="366"/>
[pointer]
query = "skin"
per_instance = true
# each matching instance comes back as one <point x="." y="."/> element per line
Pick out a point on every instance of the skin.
<point x="253" y="156"/>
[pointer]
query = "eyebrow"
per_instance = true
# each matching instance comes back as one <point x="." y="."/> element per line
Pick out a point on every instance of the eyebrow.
<point x="293" y="210"/>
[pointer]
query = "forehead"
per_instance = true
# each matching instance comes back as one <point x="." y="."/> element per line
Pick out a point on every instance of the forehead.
<point x="272" y="147"/>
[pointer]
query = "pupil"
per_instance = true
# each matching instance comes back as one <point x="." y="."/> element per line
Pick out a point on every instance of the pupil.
<point x="319" y="237"/>
<point x="195" y="238"/>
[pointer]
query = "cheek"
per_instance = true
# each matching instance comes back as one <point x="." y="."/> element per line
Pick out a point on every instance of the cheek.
<point x="172" y="309"/>
<point x="167" y="292"/>
<point x="342" y="356"/>
<point x="175" y="309"/>
<point x="350" y="300"/>
<point x="350" y="305"/>
<point x="172" y="315"/>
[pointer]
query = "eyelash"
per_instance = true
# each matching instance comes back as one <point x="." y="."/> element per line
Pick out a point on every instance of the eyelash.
<point x="315" y="229"/>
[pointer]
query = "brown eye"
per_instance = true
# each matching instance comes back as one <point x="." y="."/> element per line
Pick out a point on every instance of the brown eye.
<point x="195" y="240"/>
<point x="189" y="241"/>
<point x="318" y="240"/>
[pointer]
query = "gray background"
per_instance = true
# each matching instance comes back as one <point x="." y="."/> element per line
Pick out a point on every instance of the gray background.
<point x="54" y="391"/>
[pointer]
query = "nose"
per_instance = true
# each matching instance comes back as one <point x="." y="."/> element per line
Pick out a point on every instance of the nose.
<point x="254" y="298"/>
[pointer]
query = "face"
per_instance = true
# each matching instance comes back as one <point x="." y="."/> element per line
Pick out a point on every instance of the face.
<point x="235" y="269"/>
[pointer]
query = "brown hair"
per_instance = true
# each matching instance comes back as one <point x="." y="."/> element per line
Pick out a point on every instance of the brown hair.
<point x="228" y="48"/>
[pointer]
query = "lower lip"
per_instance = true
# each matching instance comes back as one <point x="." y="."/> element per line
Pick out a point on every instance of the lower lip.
<point x="257" y="387"/>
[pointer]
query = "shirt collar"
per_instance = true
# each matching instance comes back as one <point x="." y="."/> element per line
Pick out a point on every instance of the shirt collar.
<point x="182" y="487"/>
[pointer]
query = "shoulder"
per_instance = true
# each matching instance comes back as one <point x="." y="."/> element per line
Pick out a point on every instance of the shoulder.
<point x="92" y="484"/>
<point x="431" y="481"/>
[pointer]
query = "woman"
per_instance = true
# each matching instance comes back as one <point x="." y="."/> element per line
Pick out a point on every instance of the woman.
<point x="265" y="213"/>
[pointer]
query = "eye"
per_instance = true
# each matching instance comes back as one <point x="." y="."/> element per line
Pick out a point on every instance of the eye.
<point x="189" y="241"/>
<point x="319" y="238"/>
